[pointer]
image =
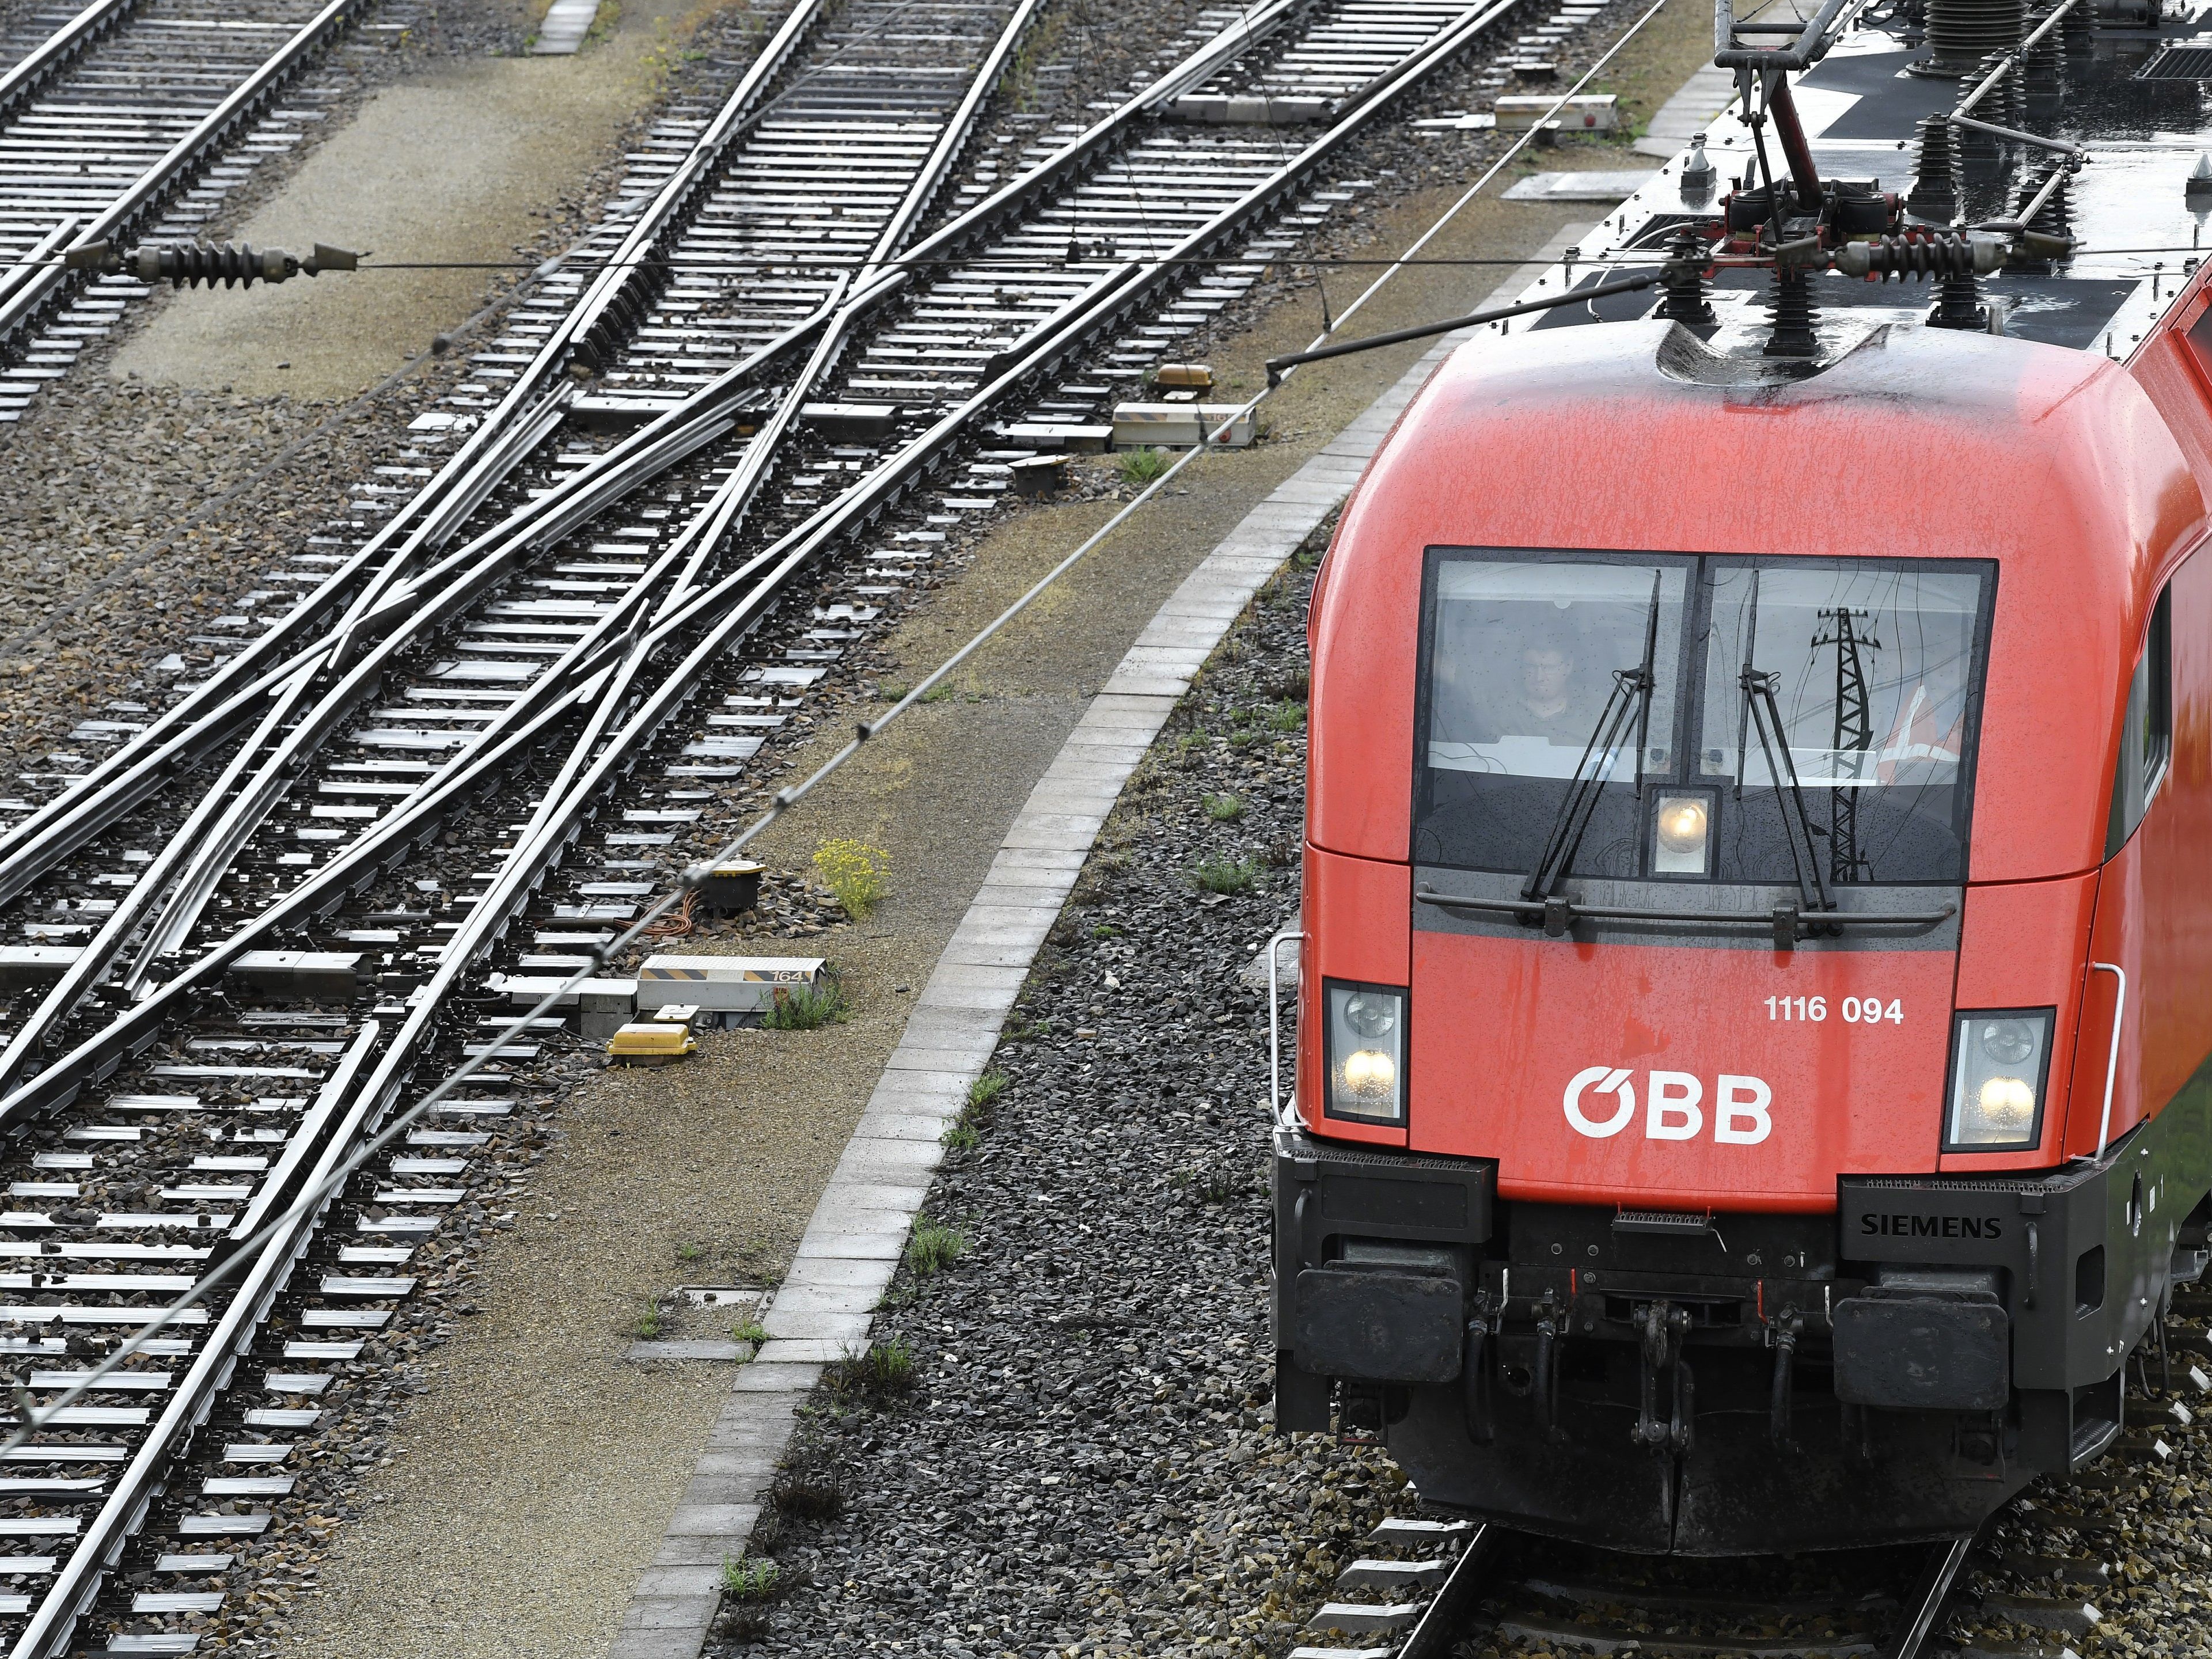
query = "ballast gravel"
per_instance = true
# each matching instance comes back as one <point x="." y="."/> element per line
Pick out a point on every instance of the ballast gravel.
<point x="1082" y="1460"/>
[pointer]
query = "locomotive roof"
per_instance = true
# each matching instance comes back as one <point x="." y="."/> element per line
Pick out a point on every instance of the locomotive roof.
<point x="2136" y="103"/>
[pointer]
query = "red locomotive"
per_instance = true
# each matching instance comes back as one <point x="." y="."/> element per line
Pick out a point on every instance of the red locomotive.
<point x="1754" y="1081"/>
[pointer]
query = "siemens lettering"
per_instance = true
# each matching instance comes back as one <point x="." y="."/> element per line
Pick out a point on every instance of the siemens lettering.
<point x="1932" y="1226"/>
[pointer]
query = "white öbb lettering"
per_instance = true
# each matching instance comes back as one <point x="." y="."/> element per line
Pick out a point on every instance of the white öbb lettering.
<point x="1674" y="1106"/>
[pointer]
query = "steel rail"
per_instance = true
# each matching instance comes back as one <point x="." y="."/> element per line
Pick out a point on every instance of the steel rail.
<point x="614" y="290"/>
<point x="213" y="850"/>
<point x="485" y="459"/>
<point x="193" y="859"/>
<point x="77" y="1581"/>
<point x="729" y="613"/>
<point x="1444" y="1621"/>
<point x="100" y="1052"/>
<point x="182" y="736"/>
<point x="212" y="712"/>
<point x="1071" y="158"/>
<point x="1115" y="292"/>
<point x="1924" y="1605"/>
<point x="157" y="180"/>
<point x="47" y="247"/>
<point x="739" y="600"/>
<point x="505" y="435"/>
<point x="33" y="68"/>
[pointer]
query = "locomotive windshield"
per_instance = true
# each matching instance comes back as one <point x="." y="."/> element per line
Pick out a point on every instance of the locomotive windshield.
<point x="1705" y="687"/>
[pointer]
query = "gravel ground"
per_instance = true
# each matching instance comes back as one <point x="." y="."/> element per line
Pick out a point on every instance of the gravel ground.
<point x="1080" y="1458"/>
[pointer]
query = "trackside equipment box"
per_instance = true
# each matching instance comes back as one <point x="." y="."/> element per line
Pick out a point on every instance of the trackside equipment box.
<point x="728" y="985"/>
<point x="1595" y="112"/>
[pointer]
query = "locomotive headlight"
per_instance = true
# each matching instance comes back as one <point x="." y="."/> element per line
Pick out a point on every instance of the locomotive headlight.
<point x="1682" y="829"/>
<point x="1364" y="1045"/>
<point x="2000" y="1060"/>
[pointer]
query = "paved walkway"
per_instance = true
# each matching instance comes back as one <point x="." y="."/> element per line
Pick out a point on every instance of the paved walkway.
<point x="1689" y="112"/>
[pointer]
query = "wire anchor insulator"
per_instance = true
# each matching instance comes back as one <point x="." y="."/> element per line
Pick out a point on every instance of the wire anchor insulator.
<point x="1907" y="257"/>
<point x="203" y="265"/>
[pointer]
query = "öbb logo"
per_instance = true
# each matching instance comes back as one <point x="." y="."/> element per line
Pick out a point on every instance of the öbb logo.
<point x="1674" y="1106"/>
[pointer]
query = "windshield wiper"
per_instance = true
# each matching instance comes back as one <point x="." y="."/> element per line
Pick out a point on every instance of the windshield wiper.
<point x="1631" y="694"/>
<point x="1760" y="711"/>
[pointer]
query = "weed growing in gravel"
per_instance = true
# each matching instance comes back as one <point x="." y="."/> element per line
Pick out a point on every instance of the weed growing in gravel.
<point x="963" y="1134"/>
<point x="689" y="1252"/>
<point x="751" y="1580"/>
<point x="807" y="1488"/>
<point x="1225" y="875"/>
<point x="1105" y="930"/>
<point x="804" y="1010"/>
<point x="750" y="1331"/>
<point x="857" y="872"/>
<point x="650" y="1322"/>
<point x="1141" y="466"/>
<point x="886" y="1369"/>
<point x="1288" y="716"/>
<point x="933" y="1246"/>
<point x="1217" y="1185"/>
<point x="1223" y="809"/>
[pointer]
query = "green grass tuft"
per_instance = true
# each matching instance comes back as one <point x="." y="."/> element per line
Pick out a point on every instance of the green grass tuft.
<point x="1223" y="809"/>
<point x="934" y="1246"/>
<point x="1141" y="466"/>
<point x="1225" y="876"/>
<point x="805" y="1010"/>
<point x="751" y="1579"/>
<point x="886" y="1370"/>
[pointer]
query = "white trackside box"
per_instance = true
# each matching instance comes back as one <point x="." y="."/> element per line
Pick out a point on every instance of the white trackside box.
<point x="1181" y="426"/>
<point x="1597" y="112"/>
<point x="728" y="985"/>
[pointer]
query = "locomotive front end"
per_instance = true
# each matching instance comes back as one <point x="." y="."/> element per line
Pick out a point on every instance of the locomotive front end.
<point x="1720" y="1122"/>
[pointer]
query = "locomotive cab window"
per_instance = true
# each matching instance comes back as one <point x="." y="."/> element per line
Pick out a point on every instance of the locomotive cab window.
<point x="2146" y="730"/>
<point x="1713" y="702"/>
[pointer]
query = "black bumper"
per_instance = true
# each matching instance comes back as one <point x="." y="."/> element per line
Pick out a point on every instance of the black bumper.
<point x="1894" y="1370"/>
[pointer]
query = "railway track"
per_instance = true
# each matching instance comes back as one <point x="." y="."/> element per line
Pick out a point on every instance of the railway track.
<point x="263" y="921"/>
<point x="1424" y="1587"/>
<point x="132" y="119"/>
